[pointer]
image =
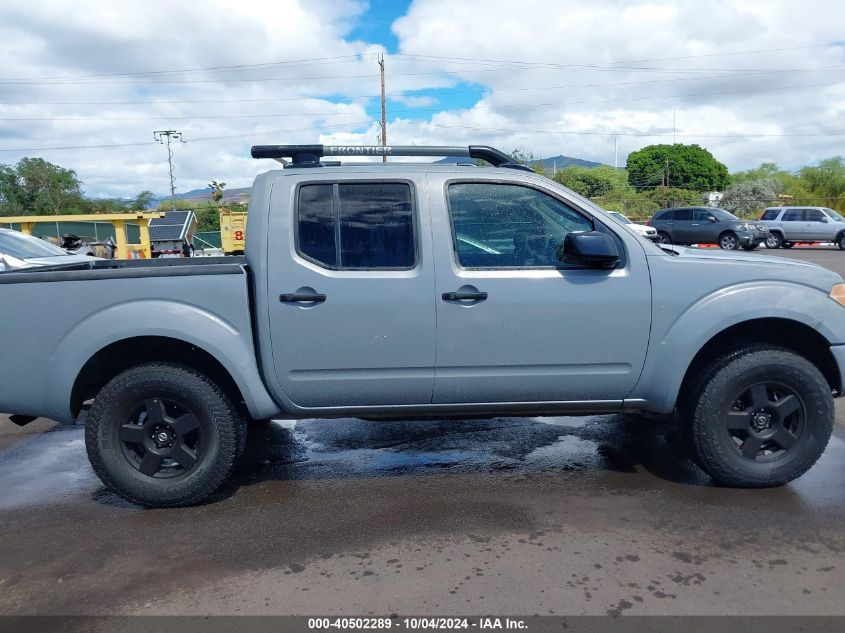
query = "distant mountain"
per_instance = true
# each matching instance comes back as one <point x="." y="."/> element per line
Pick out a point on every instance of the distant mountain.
<point x="555" y="162"/>
<point x="238" y="194"/>
<point x="241" y="194"/>
<point x="561" y="161"/>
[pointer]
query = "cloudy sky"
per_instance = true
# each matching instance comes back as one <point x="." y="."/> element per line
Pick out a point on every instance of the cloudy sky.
<point x="85" y="84"/>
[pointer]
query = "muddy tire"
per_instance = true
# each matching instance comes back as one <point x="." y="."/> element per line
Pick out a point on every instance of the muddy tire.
<point x="758" y="417"/>
<point x="163" y="435"/>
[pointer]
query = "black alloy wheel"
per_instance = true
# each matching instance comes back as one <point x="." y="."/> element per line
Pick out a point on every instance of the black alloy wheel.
<point x="162" y="438"/>
<point x="765" y="420"/>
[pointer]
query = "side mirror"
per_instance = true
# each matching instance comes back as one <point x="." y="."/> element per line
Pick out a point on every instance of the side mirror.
<point x="825" y="218"/>
<point x="589" y="248"/>
<point x="712" y="218"/>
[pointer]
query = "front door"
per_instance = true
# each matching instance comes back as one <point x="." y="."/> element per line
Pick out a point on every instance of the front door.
<point x="818" y="225"/>
<point x="514" y="324"/>
<point x="351" y="284"/>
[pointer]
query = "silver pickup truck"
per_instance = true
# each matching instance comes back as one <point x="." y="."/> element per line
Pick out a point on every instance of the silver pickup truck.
<point x="400" y="290"/>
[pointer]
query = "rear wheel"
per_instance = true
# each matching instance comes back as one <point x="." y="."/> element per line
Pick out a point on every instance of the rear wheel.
<point x="163" y="435"/>
<point x="774" y="240"/>
<point x="663" y="237"/>
<point x="840" y="241"/>
<point x="749" y="247"/>
<point x="758" y="417"/>
<point x="728" y="241"/>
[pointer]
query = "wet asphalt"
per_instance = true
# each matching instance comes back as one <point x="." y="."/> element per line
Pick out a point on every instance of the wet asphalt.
<point x="565" y="515"/>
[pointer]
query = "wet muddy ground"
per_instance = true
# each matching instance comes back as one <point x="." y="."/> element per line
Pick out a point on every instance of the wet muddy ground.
<point x="531" y="516"/>
<point x="569" y="515"/>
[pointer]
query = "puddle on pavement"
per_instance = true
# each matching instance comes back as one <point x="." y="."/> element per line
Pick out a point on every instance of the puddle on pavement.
<point x="53" y="467"/>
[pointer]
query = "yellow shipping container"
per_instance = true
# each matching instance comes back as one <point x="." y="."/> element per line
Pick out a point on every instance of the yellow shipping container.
<point x="232" y="231"/>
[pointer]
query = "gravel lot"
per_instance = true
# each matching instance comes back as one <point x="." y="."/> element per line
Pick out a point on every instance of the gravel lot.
<point x="569" y="515"/>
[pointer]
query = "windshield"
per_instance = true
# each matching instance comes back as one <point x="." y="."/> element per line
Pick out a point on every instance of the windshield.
<point x="25" y="246"/>
<point x="618" y="216"/>
<point x="834" y="215"/>
<point x="721" y="214"/>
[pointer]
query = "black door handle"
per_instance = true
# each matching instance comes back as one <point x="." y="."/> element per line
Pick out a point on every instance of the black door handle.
<point x="464" y="296"/>
<point x="302" y="298"/>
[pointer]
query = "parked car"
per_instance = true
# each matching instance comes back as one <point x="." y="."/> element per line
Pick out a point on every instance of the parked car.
<point x="19" y="250"/>
<point x="788" y="225"/>
<point x="405" y="291"/>
<point x="708" y="225"/>
<point x="646" y="231"/>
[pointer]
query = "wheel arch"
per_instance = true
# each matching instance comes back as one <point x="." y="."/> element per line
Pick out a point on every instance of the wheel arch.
<point x="781" y="332"/>
<point x="121" y="355"/>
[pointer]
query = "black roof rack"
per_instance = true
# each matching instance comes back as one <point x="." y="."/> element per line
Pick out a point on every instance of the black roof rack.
<point x="310" y="155"/>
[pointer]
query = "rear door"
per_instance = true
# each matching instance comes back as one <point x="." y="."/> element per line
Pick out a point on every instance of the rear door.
<point x="794" y="226"/>
<point x="683" y="226"/>
<point x="530" y="327"/>
<point x="351" y="283"/>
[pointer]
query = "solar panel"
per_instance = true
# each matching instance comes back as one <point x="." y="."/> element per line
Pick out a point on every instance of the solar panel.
<point x="174" y="226"/>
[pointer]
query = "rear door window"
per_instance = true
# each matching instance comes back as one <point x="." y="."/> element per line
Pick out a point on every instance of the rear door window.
<point x="357" y="226"/>
<point x="793" y="215"/>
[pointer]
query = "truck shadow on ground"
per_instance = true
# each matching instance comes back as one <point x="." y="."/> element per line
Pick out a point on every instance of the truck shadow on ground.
<point x="313" y="449"/>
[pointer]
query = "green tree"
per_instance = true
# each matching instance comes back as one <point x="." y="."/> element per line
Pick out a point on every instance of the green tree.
<point x="142" y="201"/>
<point x="592" y="182"/>
<point x="748" y="197"/>
<point x="46" y="188"/>
<point x="10" y="192"/>
<point x="687" y="167"/>
<point x="827" y="179"/>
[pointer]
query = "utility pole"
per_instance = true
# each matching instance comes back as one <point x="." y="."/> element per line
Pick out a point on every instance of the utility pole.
<point x="383" y="110"/>
<point x="164" y="137"/>
<point x="674" y="129"/>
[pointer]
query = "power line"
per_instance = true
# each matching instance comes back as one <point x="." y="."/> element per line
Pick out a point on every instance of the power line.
<point x="460" y="72"/>
<point x="636" y="61"/>
<point x="337" y="59"/>
<point x="355" y="57"/>
<point x="417" y="110"/>
<point x="193" y="140"/>
<point x="389" y="94"/>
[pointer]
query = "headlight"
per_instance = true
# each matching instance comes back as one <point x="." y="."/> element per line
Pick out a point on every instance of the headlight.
<point x="744" y="226"/>
<point x="837" y="293"/>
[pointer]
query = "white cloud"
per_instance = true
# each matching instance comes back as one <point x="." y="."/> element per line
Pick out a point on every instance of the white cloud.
<point x="584" y="73"/>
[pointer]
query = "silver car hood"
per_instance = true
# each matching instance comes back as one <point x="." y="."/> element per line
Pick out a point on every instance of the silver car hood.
<point x="14" y="262"/>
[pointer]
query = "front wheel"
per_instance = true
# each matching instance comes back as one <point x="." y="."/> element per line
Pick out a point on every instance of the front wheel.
<point x="774" y="240"/>
<point x="759" y="417"/>
<point x="840" y="242"/>
<point x="788" y="244"/>
<point x="728" y="241"/>
<point x="663" y="237"/>
<point x="163" y="435"/>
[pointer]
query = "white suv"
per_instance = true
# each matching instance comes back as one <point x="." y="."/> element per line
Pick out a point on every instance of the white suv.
<point x="788" y="225"/>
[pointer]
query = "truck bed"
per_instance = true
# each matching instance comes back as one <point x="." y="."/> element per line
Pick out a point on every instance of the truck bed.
<point x="123" y="269"/>
<point x="54" y="320"/>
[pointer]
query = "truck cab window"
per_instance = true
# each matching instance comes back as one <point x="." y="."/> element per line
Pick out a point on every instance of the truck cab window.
<point x="506" y="226"/>
<point x="357" y="226"/>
